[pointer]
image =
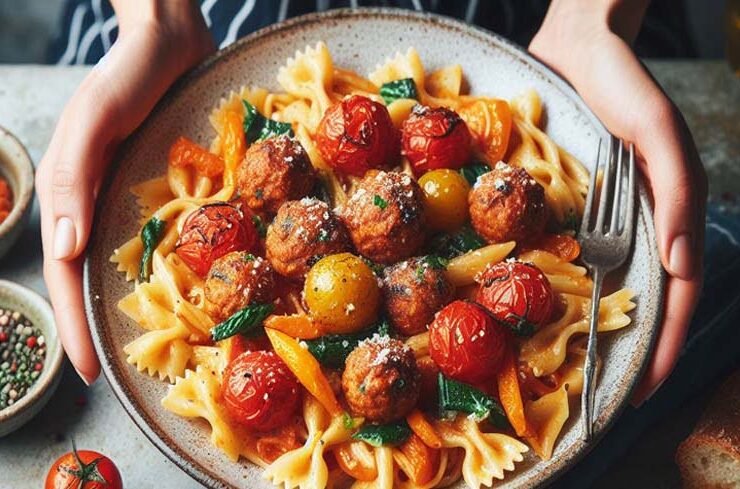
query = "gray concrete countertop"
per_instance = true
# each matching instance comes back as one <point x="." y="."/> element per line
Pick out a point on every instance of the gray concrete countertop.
<point x="31" y="99"/>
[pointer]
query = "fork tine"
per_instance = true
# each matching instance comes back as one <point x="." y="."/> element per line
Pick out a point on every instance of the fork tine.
<point x="606" y="183"/>
<point x="631" y="184"/>
<point x="617" y="197"/>
<point x="586" y="220"/>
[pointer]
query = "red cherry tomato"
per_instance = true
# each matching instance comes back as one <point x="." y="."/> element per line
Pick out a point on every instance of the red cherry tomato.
<point x="356" y="135"/>
<point x="435" y="138"/>
<point x="213" y="231"/>
<point x="517" y="294"/>
<point x="259" y="391"/>
<point x="467" y="343"/>
<point x="83" y="468"/>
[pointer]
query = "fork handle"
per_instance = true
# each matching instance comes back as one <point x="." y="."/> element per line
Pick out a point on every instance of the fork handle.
<point x="589" y="369"/>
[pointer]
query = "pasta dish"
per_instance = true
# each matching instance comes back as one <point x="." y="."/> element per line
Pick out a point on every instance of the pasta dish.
<point x="367" y="282"/>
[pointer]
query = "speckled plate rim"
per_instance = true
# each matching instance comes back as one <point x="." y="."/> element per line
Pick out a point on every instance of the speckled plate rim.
<point x="556" y="466"/>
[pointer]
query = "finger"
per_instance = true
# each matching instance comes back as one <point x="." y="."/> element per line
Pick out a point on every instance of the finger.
<point x="680" y="301"/>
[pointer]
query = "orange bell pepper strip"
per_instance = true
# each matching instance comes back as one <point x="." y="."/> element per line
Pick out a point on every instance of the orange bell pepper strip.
<point x="185" y="152"/>
<point x="306" y="369"/>
<point x="561" y="245"/>
<point x="296" y="325"/>
<point x="233" y="146"/>
<point x="489" y="121"/>
<point x="423" y="429"/>
<point x="417" y="460"/>
<point x="510" y="395"/>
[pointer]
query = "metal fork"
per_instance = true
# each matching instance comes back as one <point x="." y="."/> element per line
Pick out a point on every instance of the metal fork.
<point x="605" y="245"/>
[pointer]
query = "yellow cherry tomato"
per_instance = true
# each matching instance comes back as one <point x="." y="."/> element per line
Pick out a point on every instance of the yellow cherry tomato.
<point x="342" y="293"/>
<point x="446" y="199"/>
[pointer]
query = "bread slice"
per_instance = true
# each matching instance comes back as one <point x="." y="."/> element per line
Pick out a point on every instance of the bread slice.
<point x="710" y="456"/>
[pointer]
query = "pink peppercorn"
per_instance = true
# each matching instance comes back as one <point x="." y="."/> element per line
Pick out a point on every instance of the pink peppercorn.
<point x="31" y="341"/>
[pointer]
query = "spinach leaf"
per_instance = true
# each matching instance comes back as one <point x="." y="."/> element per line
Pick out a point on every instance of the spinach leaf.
<point x="258" y="127"/>
<point x="245" y="321"/>
<point x="259" y="225"/>
<point x="332" y="350"/>
<point x="474" y="170"/>
<point x="398" y="89"/>
<point x="434" y="262"/>
<point x="456" y="396"/>
<point x="379" y="435"/>
<point x="451" y="245"/>
<point x="151" y="235"/>
<point x="380" y="202"/>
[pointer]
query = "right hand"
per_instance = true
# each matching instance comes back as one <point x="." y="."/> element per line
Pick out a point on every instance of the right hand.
<point x="158" y="40"/>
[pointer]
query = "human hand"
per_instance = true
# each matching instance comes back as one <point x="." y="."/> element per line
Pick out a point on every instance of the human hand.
<point x="586" y="42"/>
<point x="158" y="40"/>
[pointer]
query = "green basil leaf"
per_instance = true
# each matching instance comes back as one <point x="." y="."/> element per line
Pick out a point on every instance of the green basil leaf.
<point x="379" y="435"/>
<point x="258" y="127"/>
<point x="151" y="235"/>
<point x="259" y="225"/>
<point x="451" y="245"/>
<point x="473" y="171"/>
<point x="456" y="396"/>
<point x="332" y="350"/>
<point x="380" y="202"/>
<point x="245" y="321"/>
<point x="398" y="89"/>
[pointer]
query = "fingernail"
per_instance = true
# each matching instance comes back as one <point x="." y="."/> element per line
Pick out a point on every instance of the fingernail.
<point x="87" y="380"/>
<point x="681" y="257"/>
<point x="65" y="238"/>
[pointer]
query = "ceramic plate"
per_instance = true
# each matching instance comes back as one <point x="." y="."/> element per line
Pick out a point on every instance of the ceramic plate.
<point x="358" y="40"/>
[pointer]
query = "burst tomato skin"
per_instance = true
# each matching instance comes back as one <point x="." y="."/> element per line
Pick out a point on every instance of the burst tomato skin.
<point x="65" y="472"/>
<point x="213" y="231"/>
<point x="466" y="343"/>
<point x="435" y="138"/>
<point x="356" y="135"/>
<point x="517" y="294"/>
<point x="259" y="391"/>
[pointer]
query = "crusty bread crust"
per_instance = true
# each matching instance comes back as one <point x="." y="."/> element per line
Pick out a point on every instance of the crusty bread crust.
<point x="710" y="456"/>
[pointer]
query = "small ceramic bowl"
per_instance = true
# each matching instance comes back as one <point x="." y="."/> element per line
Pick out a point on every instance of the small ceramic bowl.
<point x="39" y="312"/>
<point x="16" y="167"/>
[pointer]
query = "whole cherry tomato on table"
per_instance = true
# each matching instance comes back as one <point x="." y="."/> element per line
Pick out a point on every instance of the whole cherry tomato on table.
<point x="83" y="469"/>
<point x="356" y="135"/>
<point x="466" y="343"/>
<point x="213" y="231"/>
<point x="259" y="390"/>
<point x="435" y="138"/>
<point x="517" y="294"/>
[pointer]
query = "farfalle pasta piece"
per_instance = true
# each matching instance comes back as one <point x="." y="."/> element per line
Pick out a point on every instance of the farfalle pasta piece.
<point x="151" y="195"/>
<point x="564" y="277"/>
<point x="196" y="395"/>
<point x="127" y="257"/>
<point x="408" y="65"/>
<point x="487" y="455"/>
<point x="305" y="467"/>
<point x="545" y="418"/>
<point x="545" y="351"/>
<point x="163" y="353"/>
<point x="309" y="75"/>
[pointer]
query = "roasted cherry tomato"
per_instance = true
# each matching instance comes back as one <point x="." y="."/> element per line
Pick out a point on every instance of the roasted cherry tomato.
<point x="259" y="390"/>
<point x="213" y="231"/>
<point x="445" y="199"/>
<point x="466" y="343"/>
<point x="356" y="135"/>
<point x="435" y="138"/>
<point x="83" y="468"/>
<point x="517" y="294"/>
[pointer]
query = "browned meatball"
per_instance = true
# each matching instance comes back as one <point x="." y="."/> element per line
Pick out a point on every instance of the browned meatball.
<point x="385" y="216"/>
<point x="414" y="291"/>
<point x="236" y="280"/>
<point x="274" y="171"/>
<point x="507" y="204"/>
<point x="381" y="381"/>
<point x="303" y="232"/>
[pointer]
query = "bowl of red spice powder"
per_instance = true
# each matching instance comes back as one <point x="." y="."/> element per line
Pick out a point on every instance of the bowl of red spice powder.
<point x="30" y="355"/>
<point x="16" y="189"/>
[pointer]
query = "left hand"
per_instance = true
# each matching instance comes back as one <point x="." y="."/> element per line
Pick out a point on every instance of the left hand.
<point x="583" y="44"/>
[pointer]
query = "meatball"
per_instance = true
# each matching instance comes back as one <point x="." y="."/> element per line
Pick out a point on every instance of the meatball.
<point x="385" y="216"/>
<point x="237" y="280"/>
<point x="303" y="232"/>
<point x="507" y="204"/>
<point x="414" y="291"/>
<point x="274" y="171"/>
<point x="381" y="381"/>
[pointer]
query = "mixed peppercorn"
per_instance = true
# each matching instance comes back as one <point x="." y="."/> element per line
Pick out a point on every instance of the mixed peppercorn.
<point x="22" y="355"/>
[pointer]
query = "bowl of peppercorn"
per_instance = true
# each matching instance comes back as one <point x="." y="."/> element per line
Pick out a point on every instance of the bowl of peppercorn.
<point x="16" y="190"/>
<point x="30" y="355"/>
